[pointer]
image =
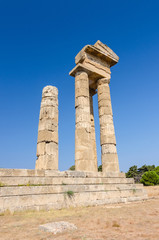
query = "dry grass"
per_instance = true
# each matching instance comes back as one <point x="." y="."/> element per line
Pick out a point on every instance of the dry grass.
<point x="138" y="221"/>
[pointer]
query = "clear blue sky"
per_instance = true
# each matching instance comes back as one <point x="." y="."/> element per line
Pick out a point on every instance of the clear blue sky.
<point x="38" y="44"/>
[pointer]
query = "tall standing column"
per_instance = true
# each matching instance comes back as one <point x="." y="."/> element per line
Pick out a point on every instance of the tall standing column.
<point x="107" y="133"/>
<point x="47" y="146"/>
<point x="83" y="146"/>
<point x="93" y="136"/>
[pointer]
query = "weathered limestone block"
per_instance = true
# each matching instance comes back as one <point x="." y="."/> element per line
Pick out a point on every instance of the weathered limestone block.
<point x="41" y="146"/>
<point x="82" y="153"/>
<point x="106" y="50"/>
<point x="82" y="92"/>
<point x="110" y="139"/>
<point x="47" y="124"/>
<point x="82" y="110"/>
<point x="104" y="103"/>
<point x="47" y="143"/>
<point x="110" y="162"/>
<point x="81" y="102"/>
<point x="52" y="101"/>
<point x="49" y="112"/>
<point x="103" y="89"/>
<point x="97" y="64"/>
<point x="51" y="92"/>
<point x="51" y="148"/>
<point x="94" y="63"/>
<point x="46" y="162"/>
<point x="84" y="125"/>
<point x="82" y="117"/>
<point x="106" y="119"/>
<point x="82" y="138"/>
<point x="85" y="165"/>
<point x="107" y="129"/>
<point x="110" y="157"/>
<point x="81" y="83"/>
<point x="107" y="110"/>
<point x="47" y="136"/>
<point x="105" y="96"/>
<point x="108" y="148"/>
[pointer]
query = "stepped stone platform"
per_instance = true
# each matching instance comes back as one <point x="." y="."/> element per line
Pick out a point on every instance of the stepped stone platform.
<point x="22" y="189"/>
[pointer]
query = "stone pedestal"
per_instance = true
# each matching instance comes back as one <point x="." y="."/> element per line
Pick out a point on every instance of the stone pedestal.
<point x="47" y="144"/>
<point x="107" y="133"/>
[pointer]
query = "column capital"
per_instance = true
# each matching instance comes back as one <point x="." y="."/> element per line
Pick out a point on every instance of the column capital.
<point x="103" y="80"/>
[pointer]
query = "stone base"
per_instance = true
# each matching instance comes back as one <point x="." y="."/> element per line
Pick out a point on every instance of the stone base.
<point x="23" y="189"/>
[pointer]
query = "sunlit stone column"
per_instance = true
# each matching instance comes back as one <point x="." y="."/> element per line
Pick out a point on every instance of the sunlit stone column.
<point x="47" y="145"/>
<point x="93" y="136"/>
<point x="83" y="146"/>
<point x="107" y="134"/>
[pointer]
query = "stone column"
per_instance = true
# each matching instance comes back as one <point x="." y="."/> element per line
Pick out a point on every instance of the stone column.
<point x="83" y="146"/>
<point x="93" y="136"/>
<point x="47" y="145"/>
<point x="107" y="133"/>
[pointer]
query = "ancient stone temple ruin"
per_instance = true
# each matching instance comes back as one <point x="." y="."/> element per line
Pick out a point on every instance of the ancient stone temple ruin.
<point x="46" y="187"/>
<point x="92" y="76"/>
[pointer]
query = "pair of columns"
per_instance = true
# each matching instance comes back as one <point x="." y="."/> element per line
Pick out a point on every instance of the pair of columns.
<point x="85" y="143"/>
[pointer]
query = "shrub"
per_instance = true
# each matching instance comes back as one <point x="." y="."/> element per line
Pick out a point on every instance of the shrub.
<point x="70" y="194"/>
<point x="150" y="178"/>
<point x="157" y="170"/>
<point x="100" y="168"/>
<point x="72" y="168"/>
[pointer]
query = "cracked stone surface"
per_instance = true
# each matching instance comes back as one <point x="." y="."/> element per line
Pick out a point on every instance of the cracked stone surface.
<point x="57" y="227"/>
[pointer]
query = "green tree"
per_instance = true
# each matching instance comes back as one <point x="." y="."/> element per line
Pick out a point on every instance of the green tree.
<point x="137" y="173"/>
<point x="150" y="178"/>
<point x="132" y="172"/>
<point x="146" y="168"/>
<point x="157" y="170"/>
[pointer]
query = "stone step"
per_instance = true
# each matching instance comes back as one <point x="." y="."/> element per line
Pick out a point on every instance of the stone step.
<point x="21" y="172"/>
<point x="63" y="200"/>
<point x="36" y="190"/>
<point x="42" y="173"/>
<point x="13" y="181"/>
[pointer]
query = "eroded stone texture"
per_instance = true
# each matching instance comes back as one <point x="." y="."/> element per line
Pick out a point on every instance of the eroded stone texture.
<point x="57" y="227"/>
<point x="47" y="144"/>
